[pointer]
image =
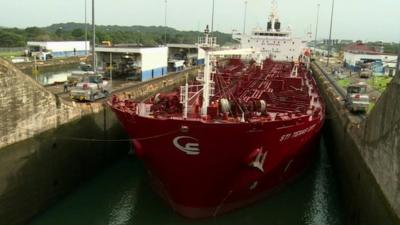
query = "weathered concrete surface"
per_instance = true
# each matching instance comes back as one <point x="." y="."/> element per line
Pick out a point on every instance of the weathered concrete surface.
<point x="365" y="155"/>
<point x="381" y="146"/>
<point x="37" y="172"/>
<point x="49" y="146"/>
<point x="26" y="108"/>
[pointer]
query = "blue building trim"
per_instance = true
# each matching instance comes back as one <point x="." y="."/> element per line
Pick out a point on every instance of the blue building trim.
<point x="154" y="73"/>
<point x="352" y="68"/>
<point x="68" y="54"/>
<point x="200" y="62"/>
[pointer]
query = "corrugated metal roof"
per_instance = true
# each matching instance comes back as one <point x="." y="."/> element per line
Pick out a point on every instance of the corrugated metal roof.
<point x="361" y="48"/>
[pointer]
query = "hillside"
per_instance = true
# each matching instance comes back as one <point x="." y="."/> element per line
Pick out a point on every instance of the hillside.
<point x="145" y="35"/>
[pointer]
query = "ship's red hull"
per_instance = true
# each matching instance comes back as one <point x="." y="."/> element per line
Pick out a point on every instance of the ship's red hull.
<point x="220" y="178"/>
<point x="207" y="166"/>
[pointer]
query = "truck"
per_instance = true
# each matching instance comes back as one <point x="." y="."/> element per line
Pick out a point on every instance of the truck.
<point x="365" y="73"/>
<point x="357" y="99"/>
<point x="77" y="76"/>
<point x="91" y="88"/>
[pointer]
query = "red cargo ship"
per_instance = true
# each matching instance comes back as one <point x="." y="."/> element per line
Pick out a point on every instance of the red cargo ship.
<point x="231" y="137"/>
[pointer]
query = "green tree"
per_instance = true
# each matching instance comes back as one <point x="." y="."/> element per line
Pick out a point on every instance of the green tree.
<point x="32" y="33"/>
<point x="78" y="33"/>
<point x="8" y="39"/>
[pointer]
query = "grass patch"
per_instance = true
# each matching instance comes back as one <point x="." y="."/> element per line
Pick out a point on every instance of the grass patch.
<point x="379" y="83"/>
<point x="371" y="106"/>
<point x="11" y="54"/>
<point x="344" y="83"/>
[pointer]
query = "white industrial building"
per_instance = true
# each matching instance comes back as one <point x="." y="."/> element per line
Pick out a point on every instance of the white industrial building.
<point x="59" y="48"/>
<point x="145" y="63"/>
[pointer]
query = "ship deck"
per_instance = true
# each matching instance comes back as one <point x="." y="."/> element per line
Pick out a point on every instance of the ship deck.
<point x="245" y="86"/>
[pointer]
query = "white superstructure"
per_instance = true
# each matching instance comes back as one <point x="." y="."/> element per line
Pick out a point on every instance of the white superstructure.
<point x="273" y="42"/>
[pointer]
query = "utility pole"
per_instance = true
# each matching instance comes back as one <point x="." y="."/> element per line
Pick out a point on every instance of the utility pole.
<point x="330" y="35"/>
<point x="94" y="38"/>
<point x="212" y="18"/>
<point x="316" y="29"/>
<point x="398" y="63"/>
<point x="165" y="22"/>
<point x="111" y="71"/>
<point x="245" y="17"/>
<point x="86" y="30"/>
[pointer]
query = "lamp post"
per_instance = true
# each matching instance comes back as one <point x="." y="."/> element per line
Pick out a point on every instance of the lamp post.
<point x="398" y="63"/>
<point x="165" y="22"/>
<point x="330" y="35"/>
<point x="94" y="38"/>
<point x="245" y="16"/>
<point x="316" y="29"/>
<point x="86" y="29"/>
<point x="212" y="17"/>
<point x="111" y="71"/>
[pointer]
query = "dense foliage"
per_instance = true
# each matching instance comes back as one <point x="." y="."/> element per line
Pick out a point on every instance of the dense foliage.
<point x="147" y="36"/>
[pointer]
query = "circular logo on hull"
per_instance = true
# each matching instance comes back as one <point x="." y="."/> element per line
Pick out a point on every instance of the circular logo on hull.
<point x="188" y="145"/>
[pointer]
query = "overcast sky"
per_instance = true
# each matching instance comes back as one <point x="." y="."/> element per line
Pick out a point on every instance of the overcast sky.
<point x="353" y="19"/>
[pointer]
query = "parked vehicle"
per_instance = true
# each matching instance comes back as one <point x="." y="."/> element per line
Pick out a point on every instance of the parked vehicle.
<point x="365" y="73"/>
<point x="85" y="67"/>
<point x="91" y="88"/>
<point x="357" y="99"/>
<point x="77" y="76"/>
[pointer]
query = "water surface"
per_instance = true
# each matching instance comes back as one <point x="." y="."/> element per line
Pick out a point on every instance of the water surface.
<point x="121" y="196"/>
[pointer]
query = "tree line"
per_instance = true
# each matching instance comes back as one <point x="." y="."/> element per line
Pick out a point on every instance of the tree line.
<point x="140" y="35"/>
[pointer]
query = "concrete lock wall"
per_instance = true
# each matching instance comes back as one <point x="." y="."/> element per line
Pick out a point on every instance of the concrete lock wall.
<point x="381" y="146"/>
<point x="27" y="108"/>
<point x="54" y="64"/>
<point x="365" y="156"/>
<point x="49" y="146"/>
<point x="37" y="172"/>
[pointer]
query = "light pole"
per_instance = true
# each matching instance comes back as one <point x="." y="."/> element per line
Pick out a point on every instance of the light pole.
<point x="245" y="17"/>
<point x="86" y="30"/>
<point x="212" y="18"/>
<point x="330" y="35"/>
<point x="111" y="71"/>
<point x="398" y="63"/>
<point x="165" y="22"/>
<point x="94" y="38"/>
<point x="316" y="29"/>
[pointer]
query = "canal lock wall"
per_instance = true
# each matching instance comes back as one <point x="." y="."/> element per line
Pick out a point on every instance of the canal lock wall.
<point x="49" y="146"/>
<point x="366" y="154"/>
<point x="52" y="65"/>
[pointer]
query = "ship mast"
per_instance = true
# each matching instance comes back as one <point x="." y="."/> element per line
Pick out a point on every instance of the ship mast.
<point x="206" y="44"/>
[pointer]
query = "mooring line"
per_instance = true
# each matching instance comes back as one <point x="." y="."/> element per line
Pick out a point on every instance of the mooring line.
<point x="118" y="140"/>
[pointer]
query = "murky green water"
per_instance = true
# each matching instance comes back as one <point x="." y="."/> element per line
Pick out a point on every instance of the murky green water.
<point x="121" y="196"/>
<point x="49" y="78"/>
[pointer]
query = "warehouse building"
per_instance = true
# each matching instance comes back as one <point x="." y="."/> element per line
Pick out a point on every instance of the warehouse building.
<point x="132" y="62"/>
<point x="184" y="55"/>
<point x="56" y="49"/>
